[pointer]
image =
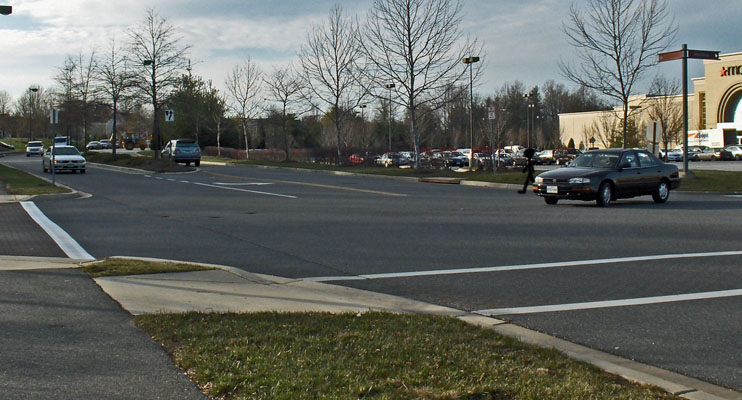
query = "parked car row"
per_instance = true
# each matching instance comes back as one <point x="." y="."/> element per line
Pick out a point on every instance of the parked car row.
<point x="704" y="153"/>
<point x="99" y="145"/>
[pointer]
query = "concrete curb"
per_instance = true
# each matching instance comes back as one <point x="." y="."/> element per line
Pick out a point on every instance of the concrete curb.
<point x="337" y="298"/>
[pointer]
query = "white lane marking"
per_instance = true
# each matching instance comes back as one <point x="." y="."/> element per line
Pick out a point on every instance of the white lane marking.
<point x="243" y="183"/>
<point x="65" y="242"/>
<point x="245" y="190"/>
<point x="522" y="266"/>
<point x="733" y="195"/>
<point x="611" y="303"/>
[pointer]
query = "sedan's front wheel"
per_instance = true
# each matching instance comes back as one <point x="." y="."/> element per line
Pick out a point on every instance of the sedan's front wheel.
<point x="662" y="193"/>
<point x="605" y="194"/>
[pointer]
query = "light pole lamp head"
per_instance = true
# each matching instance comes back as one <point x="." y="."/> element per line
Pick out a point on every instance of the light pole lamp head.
<point x="6" y="10"/>
<point x="147" y="62"/>
<point x="389" y="85"/>
<point x="362" y="106"/>
<point x="469" y="60"/>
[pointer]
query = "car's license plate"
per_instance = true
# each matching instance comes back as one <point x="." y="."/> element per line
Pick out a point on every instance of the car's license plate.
<point x="552" y="189"/>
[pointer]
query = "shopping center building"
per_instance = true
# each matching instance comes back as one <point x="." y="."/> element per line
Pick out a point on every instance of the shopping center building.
<point x="714" y="112"/>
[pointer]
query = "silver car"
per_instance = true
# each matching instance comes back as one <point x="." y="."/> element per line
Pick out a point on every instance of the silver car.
<point x="65" y="158"/>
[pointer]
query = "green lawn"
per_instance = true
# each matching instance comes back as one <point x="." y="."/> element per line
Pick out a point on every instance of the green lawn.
<point x="22" y="183"/>
<point x="371" y="356"/>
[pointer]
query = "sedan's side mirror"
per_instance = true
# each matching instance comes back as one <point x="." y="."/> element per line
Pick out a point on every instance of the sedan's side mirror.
<point x="624" y="165"/>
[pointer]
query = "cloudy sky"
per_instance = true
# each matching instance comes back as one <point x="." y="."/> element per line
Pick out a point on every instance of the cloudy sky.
<point x="523" y="39"/>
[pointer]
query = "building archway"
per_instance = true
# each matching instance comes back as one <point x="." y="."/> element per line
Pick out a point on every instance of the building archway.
<point x="730" y="107"/>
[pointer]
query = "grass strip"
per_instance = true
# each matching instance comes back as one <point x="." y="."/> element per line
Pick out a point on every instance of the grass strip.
<point x="121" y="266"/>
<point x="714" y="181"/>
<point x="371" y="356"/>
<point x="22" y="183"/>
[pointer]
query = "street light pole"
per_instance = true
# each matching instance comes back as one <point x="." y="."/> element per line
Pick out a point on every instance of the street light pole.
<point x="390" y="86"/>
<point x="30" y="111"/>
<point x="469" y="61"/>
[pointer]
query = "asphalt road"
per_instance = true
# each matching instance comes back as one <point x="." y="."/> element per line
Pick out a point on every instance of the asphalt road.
<point x="677" y="304"/>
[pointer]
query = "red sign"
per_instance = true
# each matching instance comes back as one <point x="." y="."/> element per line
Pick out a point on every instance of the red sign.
<point x="673" y="55"/>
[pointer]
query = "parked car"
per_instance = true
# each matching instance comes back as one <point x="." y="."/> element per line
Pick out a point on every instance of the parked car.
<point x="709" y="154"/>
<point x="184" y="151"/>
<point x="66" y="158"/>
<point x="105" y="144"/>
<point x="675" y="155"/>
<point x="457" y="159"/>
<point x="565" y="155"/>
<point x="7" y="146"/>
<point x="520" y="159"/>
<point x="392" y="159"/>
<point x="94" y="145"/>
<point x="736" y="151"/>
<point x="34" y="148"/>
<point x="607" y="175"/>
<point x="723" y="155"/>
<point x="546" y="156"/>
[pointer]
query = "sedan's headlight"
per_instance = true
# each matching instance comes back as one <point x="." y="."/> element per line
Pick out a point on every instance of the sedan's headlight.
<point x="538" y="180"/>
<point x="579" y="180"/>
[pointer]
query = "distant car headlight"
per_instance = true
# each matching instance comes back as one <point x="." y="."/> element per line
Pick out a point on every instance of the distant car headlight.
<point x="539" y="180"/>
<point x="579" y="180"/>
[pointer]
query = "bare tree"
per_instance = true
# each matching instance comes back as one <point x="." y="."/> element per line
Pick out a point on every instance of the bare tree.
<point x="417" y="46"/>
<point x="160" y="60"/>
<point x="665" y="108"/>
<point x="5" y="102"/>
<point x="114" y="79"/>
<point x="616" y="42"/>
<point x="66" y="92"/>
<point x="32" y="105"/>
<point x="84" y="90"/>
<point x="332" y="70"/>
<point x="285" y="87"/>
<point x="244" y="87"/>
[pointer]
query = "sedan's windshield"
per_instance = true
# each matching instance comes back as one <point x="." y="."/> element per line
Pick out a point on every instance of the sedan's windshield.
<point x="596" y="160"/>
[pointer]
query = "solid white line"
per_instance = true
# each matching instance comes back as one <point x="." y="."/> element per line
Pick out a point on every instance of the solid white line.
<point x="522" y="266"/>
<point x="245" y="190"/>
<point x="65" y="242"/>
<point x="611" y="303"/>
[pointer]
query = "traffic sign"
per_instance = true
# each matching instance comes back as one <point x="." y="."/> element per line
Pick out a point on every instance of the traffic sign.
<point x="169" y="115"/>
<point x="491" y="113"/>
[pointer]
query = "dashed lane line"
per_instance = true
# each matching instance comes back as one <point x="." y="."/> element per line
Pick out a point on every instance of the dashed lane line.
<point x="245" y="190"/>
<point x="318" y="185"/>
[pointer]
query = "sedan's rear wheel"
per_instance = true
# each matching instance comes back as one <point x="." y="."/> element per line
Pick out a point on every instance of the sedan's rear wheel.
<point x="605" y="194"/>
<point x="551" y="200"/>
<point x="662" y="193"/>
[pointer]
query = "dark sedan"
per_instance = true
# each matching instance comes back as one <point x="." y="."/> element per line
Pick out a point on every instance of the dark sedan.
<point x="607" y="175"/>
